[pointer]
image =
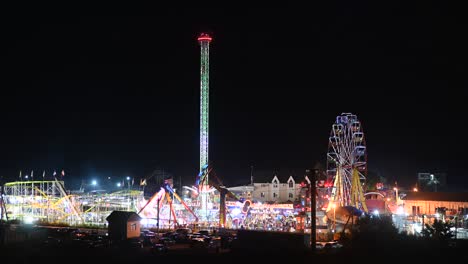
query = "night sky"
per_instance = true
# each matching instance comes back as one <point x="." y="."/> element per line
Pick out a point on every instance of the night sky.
<point x="118" y="96"/>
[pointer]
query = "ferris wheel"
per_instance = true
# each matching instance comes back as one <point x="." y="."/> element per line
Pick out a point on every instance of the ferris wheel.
<point x="346" y="162"/>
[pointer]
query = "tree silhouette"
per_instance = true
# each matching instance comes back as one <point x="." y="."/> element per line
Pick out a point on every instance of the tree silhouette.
<point x="321" y="173"/>
<point x="372" y="231"/>
<point x="372" y="179"/>
<point x="438" y="230"/>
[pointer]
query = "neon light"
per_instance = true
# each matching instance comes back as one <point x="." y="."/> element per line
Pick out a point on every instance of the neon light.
<point x="204" y="38"/>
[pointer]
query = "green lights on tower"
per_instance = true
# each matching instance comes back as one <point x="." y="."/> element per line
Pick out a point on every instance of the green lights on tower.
<point x="204" y="40"/>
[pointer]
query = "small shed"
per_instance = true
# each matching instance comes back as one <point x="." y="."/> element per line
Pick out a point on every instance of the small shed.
<point x="123" y="225"/>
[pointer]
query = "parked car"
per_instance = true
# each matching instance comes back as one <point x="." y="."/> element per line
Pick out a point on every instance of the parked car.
<point x="166" y="241"/>
<point x="215" y="242"/>
<point x="332" y="246"/>
<point x="147" y="233"/>
<point x="204" y="232"/>
<point x="131" y="243"/>
<point x="134" y="243"/>
<point x="184" y="231"/>
<point x="52" y="242"/>
<point x="97" y="241"/>
<point x="319" y="245"/>
<point x="159" y="249"/>
<point x="182" y="234"/>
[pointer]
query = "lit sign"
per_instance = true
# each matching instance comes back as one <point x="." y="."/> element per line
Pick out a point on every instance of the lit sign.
<point x="263" y="206"/>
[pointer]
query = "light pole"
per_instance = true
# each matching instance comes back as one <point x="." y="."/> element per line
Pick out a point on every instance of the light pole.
<point x="396" y="195"/>
<point x="313" y="207"/>
<point x="456" y="226"/>
<point x="128" y="182"/>
<point x="128" y="194"/>
<point x="157" y="217"/>
<point x="334" y="216"/>
<point x="422" y="228"/>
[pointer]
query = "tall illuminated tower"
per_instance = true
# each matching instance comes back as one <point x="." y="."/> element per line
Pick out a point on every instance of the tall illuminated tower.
<point x="204" y="40"/>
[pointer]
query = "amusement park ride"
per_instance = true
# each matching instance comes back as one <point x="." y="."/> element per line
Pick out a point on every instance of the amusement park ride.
<point x="223" y="192"/>
<point x="346" y="164"/>
<point x="204" y="41"/>
<point x="346" y="172"/>
<point x="48" y="201"/>
<point x="166" y="192"/>
<point x="157" y="200"/>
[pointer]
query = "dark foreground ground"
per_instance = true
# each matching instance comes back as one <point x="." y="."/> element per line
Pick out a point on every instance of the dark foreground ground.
<point x="416" y="254"/>
<point x="249" y="247"/>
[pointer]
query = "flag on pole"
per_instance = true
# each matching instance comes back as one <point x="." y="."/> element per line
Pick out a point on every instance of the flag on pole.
<point x="20" y="175"/>
<point x="142" y="182"/>
<point x="63" y="173"/>
<point x="133" y="181"/>
<point x="43" y="175"/>
<point x="32" y="174"/>
<point x="55" y="173"/>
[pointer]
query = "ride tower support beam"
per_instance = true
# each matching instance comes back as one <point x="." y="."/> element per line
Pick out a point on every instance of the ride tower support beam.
<point x="222" y="209"/>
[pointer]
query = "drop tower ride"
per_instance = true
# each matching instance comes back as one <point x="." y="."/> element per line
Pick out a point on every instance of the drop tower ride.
<point x="204" y="40"/>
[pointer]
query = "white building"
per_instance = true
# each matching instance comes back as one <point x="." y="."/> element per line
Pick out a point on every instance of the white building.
<point x="271" y="189"/>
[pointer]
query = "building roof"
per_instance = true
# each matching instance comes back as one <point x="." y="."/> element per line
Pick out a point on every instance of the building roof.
<point x="123" y="216"/>
<point x="283" y="178"/>
<point x="437" y="196"/>
<point x="242" y="188"/>
<point x="266" y="176"/>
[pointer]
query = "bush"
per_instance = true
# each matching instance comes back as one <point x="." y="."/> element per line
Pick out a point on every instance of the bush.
<point x="373" y="232"/>
<point x="438" y="231"/>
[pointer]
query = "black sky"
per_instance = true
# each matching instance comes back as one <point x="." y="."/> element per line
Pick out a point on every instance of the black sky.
<point x="102" y="96"/>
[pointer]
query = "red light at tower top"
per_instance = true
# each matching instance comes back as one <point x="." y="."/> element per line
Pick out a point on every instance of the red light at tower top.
<point x="204" y="37"/>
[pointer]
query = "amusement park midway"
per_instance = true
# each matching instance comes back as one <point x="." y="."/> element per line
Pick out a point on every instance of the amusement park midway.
<point x="144" y="137"/>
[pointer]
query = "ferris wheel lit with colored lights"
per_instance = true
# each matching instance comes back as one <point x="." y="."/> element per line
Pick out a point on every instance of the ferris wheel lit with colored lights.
<point x="346" y="162"/>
